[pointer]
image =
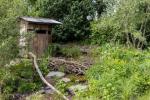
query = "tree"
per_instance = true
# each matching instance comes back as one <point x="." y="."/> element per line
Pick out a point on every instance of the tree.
<point x="127" y="23"/>
<point x="9" y="12"/>
<point x="72" y="13"/>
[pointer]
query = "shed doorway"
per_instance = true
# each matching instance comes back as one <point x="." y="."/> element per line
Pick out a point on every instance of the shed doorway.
<point x="40" y="42"/>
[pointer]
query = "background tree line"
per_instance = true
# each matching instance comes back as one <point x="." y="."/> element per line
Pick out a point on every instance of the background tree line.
<point x="123" y="21"/>
<point x="72" y="13"/>
<point x="127" y="24"/>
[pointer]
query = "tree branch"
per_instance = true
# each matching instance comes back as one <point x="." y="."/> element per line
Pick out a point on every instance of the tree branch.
<point x="43" y="79"/>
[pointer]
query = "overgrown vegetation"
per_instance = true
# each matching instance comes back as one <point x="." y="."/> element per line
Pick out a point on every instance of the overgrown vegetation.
<point x="21" y="78"/>
<point x="63" y="50"/>
<point x="120" y="28"/>
<point x="127" y="24"/>
<point x="119" y="74"/>
<point x="9" y="11"/>
<point x="75" y="15"/>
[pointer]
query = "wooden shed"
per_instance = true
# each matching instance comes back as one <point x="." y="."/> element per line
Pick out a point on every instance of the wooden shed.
<point x="41" y="29"/>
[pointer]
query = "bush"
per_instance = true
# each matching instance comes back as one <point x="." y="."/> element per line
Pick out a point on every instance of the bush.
<point x="73" y="52"/>
<point x="66" y="51"/>
<point x="53" y="50"/>
<point x="124" y="24"/>
<point x="20" y="78"/>
<point x="73" y="14"/>
<point x="105" y="30"/>
<point x="119" y="74"/>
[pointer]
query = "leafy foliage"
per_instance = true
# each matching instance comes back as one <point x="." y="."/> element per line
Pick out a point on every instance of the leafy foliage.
<point x="9" y="11"/>
<point x="73" y="52"/>
<point x="63" y="50"/>
<point x="127" y="23"/>
<point x="53" y="49"/>
<point x="73" y="14"/>
<point x="8" y="51"/>
<point x="21" y="78"/>
<point x="119" y="74"/>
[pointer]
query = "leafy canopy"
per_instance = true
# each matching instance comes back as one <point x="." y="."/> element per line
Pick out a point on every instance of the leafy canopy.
<point x="73" y="14"/>
<point x="127" y="23"/>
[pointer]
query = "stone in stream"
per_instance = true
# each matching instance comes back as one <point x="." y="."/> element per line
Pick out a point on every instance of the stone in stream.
<point x="66" y="80"/>
<point x="78" y="87"/>
<point x="48" y="90"/>
<point x="53" y="76"/>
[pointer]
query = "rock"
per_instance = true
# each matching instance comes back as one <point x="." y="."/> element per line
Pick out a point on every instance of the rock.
<point x="17" y="96"/>
<point x="66" y="80"/>
<point x="70" y="92"/>
<point x="48" y="90"/>
<point x="78" y="87"/>
<point x="55" y="74"/>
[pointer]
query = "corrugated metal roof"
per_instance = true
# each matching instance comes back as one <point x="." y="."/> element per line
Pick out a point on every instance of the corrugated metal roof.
<point x="40" y="20"/>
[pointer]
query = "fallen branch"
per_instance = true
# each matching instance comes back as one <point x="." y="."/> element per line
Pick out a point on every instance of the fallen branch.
<point x="43" y="79"/>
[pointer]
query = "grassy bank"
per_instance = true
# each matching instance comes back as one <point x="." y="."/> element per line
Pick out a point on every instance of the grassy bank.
<point x="119" y="73"/>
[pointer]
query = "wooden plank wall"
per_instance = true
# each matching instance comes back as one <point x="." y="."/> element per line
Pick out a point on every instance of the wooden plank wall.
<point x="39" y="44"/>
<point x="22" y="40"/>
<point x="40" y="41"/>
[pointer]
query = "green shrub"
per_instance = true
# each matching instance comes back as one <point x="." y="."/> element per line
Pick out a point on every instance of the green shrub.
<point x="53" y="50"/>
<point x="61" y="86"/>
<point x="124" y="24"/>
<point x="66" y="51"/>
<point x="43" y="65"/>
<point x="20" y="78"/>
<point x="27" y="87"/>
<point x="119" y="74"/>
<point x="73" y="52"/>
<point x="105" y="30"/>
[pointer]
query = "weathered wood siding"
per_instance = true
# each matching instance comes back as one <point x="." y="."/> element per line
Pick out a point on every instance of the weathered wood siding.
<point x="38" y="26"/>
<point x="39" y="44"/>
<point x="22" y="41"/>
<point x="40" y="40"/>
